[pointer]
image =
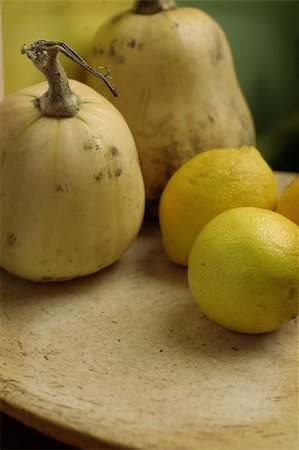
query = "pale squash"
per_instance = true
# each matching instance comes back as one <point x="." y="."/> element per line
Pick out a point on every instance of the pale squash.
<point x="179" y="92"/>
<point x="72" y="193"/>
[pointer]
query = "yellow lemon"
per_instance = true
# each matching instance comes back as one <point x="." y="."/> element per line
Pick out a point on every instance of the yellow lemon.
<point x="206" y="185"/>
<point x="288" y="203"/>
<point x="243" y="270"/>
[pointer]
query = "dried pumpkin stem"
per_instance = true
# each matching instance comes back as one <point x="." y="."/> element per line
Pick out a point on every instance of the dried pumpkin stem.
<point x="153" y="6"/>
<point x="59" y="100"/>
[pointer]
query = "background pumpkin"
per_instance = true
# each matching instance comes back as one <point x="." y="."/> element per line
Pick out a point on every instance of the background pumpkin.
<point x="179" y="92"/>
<point x="72" y="192"/>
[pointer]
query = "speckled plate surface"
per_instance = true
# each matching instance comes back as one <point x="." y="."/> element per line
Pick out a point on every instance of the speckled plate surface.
<point x="125" y="358"/>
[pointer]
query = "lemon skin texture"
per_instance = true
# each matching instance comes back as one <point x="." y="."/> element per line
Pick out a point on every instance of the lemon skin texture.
<point x="243" y="270"/>
<point x="205" y="186"/>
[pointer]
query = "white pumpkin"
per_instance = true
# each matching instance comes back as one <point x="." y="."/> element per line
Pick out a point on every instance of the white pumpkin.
<point x="72" y="193"/>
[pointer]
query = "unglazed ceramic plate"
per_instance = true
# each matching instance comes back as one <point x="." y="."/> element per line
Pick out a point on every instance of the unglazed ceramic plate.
<point x="126" y="358"/>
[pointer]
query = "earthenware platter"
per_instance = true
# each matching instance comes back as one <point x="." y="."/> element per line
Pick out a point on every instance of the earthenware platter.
<point x="124" y="358"/>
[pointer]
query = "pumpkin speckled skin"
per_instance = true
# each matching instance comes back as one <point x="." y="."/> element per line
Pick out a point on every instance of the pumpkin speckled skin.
<point x="178" y="89"/>
<point x="72" y="193"/>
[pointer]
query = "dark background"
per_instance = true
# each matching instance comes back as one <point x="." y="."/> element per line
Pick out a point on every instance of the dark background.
<point x="264" y="39"/>
<point x="15" y="435"/>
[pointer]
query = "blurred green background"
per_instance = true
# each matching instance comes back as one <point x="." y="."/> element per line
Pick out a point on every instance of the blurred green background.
<point x="264" y="39"/>
<point x="263" y="35"/>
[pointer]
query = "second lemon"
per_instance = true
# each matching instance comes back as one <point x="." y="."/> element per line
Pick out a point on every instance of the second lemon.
<point x="205" y="186"/>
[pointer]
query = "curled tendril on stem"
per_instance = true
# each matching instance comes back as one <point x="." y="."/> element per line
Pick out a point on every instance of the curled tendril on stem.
<point x="107" y="74"/>
<point x="42" y="47"/>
